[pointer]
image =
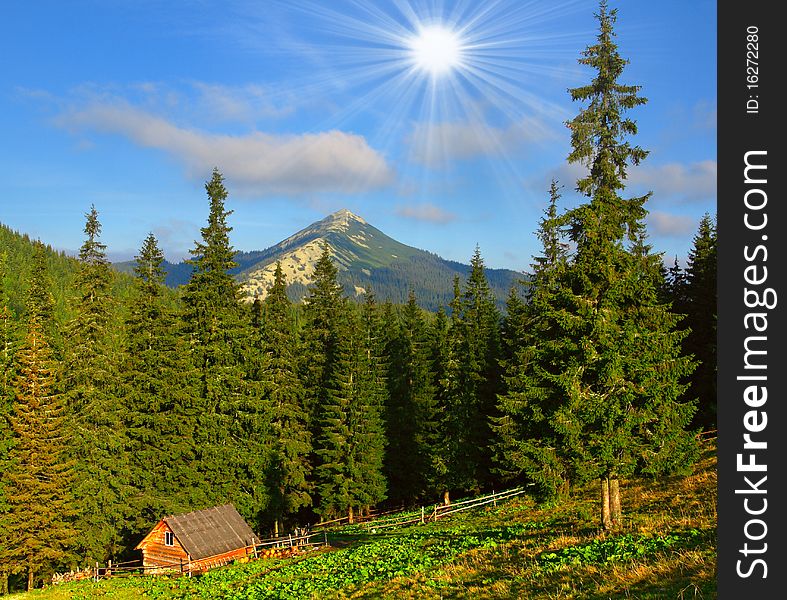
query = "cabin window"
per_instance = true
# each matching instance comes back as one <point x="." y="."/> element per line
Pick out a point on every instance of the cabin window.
<point x="169" y="538"/>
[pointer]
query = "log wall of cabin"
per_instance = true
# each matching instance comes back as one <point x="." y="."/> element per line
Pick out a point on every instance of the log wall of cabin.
<point x="198" y="566"/>
<point x="155" y="553"/>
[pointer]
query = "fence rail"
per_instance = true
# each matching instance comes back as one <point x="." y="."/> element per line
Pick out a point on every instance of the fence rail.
<point x="439" y="511"/>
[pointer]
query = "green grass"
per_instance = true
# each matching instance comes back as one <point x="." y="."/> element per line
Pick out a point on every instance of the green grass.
<point x="666" y="549"/>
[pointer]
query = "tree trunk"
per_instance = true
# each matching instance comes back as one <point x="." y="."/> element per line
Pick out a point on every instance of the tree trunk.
<point x="446" y="498"/>
<point x="350" y="515"/>
<point x="614" y="502"/>
<point x="30" y="579"/>
<point x="606" y="517"/>
<point x="565" y="488"/>
<point x="276" y="528"/>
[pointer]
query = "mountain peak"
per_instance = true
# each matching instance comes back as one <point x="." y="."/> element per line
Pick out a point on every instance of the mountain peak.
<point x="341" y="219"/>
<point x="366" y="258"/>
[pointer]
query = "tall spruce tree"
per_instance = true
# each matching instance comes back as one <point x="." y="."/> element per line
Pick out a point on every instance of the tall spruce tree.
<point x="700" y="307"/>
<point x="439" y="440"/>
<point x="414" y="433"/>
<point x="474" y="370"/>
<point x="323" y="313"/>
<point x="337" y="466"/>
<point x="370" y="429"/>
<point x="527" y="441"/>
<point x="159" y="418"/>
<point x="624" y="376"/>
<point x="289" y="468"/>
<point x="91" y="394"/>
<point x="37" y="526"/>
<point x="351" y="443"/>
<point x="230" y="433"/>
<point x="8" y="340"/>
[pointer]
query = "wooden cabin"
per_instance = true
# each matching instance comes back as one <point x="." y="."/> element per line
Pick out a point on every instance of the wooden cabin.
<point x="197" y="541"/>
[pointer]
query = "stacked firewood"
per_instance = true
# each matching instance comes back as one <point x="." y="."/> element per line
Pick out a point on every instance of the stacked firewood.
<point x="85" y="573"/>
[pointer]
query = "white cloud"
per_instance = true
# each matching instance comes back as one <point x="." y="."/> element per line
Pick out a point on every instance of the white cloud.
<point x="704" y="115"/>
<point x="257" y="163"/>
<point x="426" y="212"/>
<point x="434" y="144"/>
<point x="670" y="183"/>
<point x="670" y="225"/>
<point x="244" y="104"/>
<point x="693" y="182"/>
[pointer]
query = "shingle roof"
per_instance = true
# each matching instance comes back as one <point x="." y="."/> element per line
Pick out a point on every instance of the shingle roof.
<point x="211" y="531"/>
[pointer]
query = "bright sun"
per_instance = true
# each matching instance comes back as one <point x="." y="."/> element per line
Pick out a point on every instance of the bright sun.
<point x="436" y="50"/>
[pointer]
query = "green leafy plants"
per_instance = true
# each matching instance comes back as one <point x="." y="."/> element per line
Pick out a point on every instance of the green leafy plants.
<point x="617" y="549"/>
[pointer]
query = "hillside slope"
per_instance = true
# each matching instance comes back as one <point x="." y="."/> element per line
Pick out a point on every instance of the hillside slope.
<point x="667" y="549"/>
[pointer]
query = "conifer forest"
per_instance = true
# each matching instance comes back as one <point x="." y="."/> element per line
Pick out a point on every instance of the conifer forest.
<point x="123" y="400"/>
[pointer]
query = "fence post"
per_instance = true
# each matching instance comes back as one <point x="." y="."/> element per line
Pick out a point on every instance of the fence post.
<point x="96" y="577"/>
<point x="494" y="499"/>
<point x="422" y="515"/>
<point x="325" y="537"/>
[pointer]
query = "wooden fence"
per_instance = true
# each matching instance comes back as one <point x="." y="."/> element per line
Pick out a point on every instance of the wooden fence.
<point x="438" y="511"/>
<point x="372" y="515"/>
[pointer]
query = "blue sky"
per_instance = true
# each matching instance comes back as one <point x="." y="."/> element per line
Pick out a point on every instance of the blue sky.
<point x="312" y="106"/>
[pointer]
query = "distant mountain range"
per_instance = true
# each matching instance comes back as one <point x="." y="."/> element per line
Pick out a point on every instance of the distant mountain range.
<point x="366" y="258"/>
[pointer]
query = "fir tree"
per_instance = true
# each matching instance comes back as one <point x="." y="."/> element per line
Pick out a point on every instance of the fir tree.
<point x="623" y="376"/>
<point x="351" y="444"/>
<point x="474" y="371"/>
<point x="39" y="294"/>
<point x="337" y="465"/>
<point x="438" y="469"/>
<point x="288" y="476"/>
<point x="700" y="307"/>
<point x="323" y="310"/>
<point x="8" y="338"/>
<point x="400" y="463"/>
<point x="230" y="429"/>
<point x="452" y="392"/>
<point x="674" y="288"/>
<point x="413" y="420"/>
<point x="527" y="441"/>
<point x="91" y="393"/>
<point x="38" y="534"/>
<point x="370" y="430"/>
<point x="513" y="324"/>
<point x="159" y="419"/>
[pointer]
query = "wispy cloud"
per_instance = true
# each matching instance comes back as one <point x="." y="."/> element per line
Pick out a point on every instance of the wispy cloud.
<point x="258" y="163"/>
<point x="704" y="115"/>
<point x="426" y="212"/>
<point x="670" y="225"/>
<point x="435" y="144"/>
<point x="670" y="183"/>
<point x="244" y="104"/>
<point x="691" y="182"/>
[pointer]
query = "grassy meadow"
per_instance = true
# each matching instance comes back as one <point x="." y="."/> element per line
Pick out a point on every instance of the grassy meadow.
<point x="666" y="549"/>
